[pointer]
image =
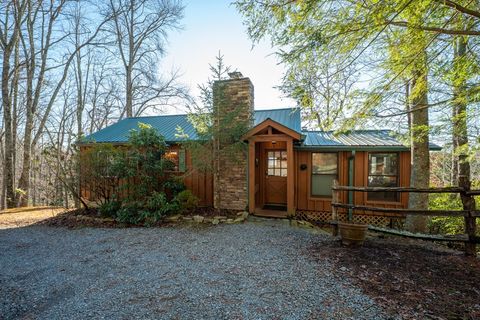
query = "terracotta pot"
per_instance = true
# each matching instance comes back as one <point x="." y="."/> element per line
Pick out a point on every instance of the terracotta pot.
<point x="352" y="234"/>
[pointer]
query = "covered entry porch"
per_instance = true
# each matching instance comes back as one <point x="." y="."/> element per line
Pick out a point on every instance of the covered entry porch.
<point x="271" y="169"/>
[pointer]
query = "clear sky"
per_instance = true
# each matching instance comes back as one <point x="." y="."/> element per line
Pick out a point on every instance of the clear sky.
<point x="213" y="25"/>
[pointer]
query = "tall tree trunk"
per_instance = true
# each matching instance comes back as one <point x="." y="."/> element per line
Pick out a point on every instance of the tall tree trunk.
<point x="2" y="158"/>
<point x="129" y="94"/>
<point x="18" y="9"/>
<point x="460" y="136"/>
<point x="7" y="122"/>
<point x="420" y="155"/>
<point x="24" y="181"/>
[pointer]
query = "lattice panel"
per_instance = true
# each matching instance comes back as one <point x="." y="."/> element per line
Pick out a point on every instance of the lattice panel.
<point x="325" y="216"/>
<point x="317" y="216"/>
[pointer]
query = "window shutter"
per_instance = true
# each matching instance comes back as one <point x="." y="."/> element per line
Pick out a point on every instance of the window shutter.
<point x="181" y="160"/>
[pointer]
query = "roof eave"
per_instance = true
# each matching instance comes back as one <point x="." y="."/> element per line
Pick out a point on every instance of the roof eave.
<point x="352" y="148"/>
<point x="359" y="148"/>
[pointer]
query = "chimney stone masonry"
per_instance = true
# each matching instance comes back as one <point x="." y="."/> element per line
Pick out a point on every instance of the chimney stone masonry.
<point x="233" y="101"/>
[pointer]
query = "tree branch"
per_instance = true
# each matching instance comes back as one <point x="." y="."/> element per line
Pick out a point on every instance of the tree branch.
<point x="405" y="24"/>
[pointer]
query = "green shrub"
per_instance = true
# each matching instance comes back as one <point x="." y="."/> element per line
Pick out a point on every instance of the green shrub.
<point x="186" y="200"/>
<point x="445" y="225"/>
<point x="109" y="209"/>
<point x="159" y="205"/>
<point x="150" y="192"/>
<point x="130" y="214"/>
<point x="174" y="186"/>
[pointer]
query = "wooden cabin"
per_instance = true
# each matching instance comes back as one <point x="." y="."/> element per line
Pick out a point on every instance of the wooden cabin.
<point x="287" y="171"/>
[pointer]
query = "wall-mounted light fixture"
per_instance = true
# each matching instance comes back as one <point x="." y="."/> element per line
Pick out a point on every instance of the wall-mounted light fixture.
<point x="303" y="167"/>
<point x="274" y="142"/>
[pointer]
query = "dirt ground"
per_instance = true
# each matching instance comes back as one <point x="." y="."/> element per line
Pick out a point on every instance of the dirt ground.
<point x="410" y="278"/>
<point x="21" y="217"/>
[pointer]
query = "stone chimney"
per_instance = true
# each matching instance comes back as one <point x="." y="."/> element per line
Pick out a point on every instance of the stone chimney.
<point x="233" y="107"/>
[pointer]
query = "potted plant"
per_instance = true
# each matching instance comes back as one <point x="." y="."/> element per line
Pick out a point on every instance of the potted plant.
<point x="352" y="234"/>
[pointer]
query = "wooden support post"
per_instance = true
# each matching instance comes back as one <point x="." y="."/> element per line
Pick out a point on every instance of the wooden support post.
<point x="335" y="199"/>
<point x="290" y="179"/>
<point x="251" y="177"/>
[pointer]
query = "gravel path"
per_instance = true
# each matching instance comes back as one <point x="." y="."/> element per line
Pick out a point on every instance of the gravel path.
<point x="256" y="270"/>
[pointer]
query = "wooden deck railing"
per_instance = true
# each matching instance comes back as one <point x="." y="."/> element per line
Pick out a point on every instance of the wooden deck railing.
<point x="469" y="212"/>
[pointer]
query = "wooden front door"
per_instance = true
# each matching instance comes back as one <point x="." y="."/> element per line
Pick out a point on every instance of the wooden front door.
<point x="276" y="177"/>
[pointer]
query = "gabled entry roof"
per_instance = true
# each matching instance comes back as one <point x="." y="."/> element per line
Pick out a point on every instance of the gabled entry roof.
<point x="272" y="124"/>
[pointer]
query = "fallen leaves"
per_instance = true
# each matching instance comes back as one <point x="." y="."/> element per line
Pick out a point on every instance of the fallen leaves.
<point x="407" y="280"/>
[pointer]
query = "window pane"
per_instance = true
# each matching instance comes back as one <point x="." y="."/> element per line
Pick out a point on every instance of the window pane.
<point x="271" y="163"/>
<point x="383" y="163"/>
<point x="172" y="156"/>
<point x="382" y="181"/>
<point x="277" y="163"/>
<point x="324" y="163"/>
<point x="382" y="196"/>
<point x="322" y="185"/>
<point x="283" y="172"/>
<point x="271" y="172"/>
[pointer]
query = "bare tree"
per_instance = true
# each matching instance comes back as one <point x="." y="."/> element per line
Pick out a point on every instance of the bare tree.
<point x="12" y="14"/>
<point x="140" y="29"/>
<point x="38" y="43"/>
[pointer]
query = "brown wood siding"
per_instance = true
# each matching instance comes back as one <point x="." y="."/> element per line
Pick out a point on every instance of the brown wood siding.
<point x="305" y="201"/>
<point x="200" y="183"/>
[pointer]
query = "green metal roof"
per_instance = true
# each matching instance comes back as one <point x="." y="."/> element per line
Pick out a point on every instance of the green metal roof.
<point x="167" y="125"/>
<point x="357" y="139"/>
<point x="289" y="117"/>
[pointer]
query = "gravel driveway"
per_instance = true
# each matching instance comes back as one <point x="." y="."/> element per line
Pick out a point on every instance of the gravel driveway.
<point x="255" y="270"/>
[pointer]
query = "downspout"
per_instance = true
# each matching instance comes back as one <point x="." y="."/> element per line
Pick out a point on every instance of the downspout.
<point x="351" y="179"/>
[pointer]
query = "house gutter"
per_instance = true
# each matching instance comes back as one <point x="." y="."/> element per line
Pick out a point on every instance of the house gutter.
<point x="352" y="148"/>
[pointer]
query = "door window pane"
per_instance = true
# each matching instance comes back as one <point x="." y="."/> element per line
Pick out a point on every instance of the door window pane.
<point x="277" y="163"/>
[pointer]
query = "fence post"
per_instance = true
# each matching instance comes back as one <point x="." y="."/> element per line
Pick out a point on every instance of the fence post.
<point x="335" y="199"/>
<point x="468" y="202"/>
<point x="471" y="228"/>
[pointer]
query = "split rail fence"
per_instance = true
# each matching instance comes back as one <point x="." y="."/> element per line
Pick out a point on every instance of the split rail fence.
<point x="469" y="212"/>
